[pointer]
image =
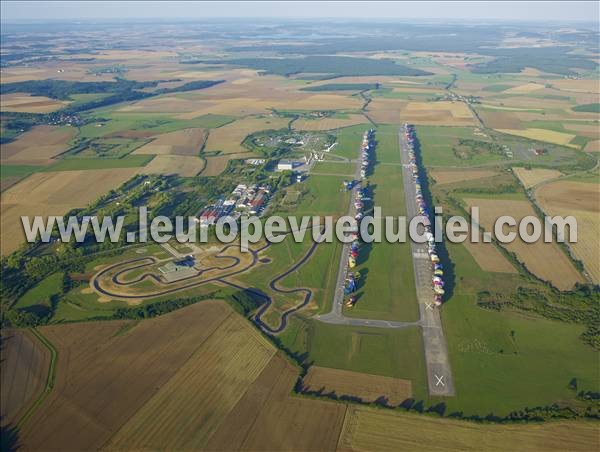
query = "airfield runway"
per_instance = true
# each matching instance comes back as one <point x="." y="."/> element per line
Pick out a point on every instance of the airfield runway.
<point x="439" y="374"/>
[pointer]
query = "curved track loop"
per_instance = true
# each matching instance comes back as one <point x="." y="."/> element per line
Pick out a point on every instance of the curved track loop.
<point x="150" y="260"/>
<point x="145" y="261"/>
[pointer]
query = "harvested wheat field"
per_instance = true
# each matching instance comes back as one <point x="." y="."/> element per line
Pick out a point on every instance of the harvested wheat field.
<point x="524" y="89"/>
<point x="37" y="146"/>
<point x="577" y="86"/>
<point x="53" y="193"/>
<point x="182" y="142"/>
<point x="190" y="407"/>
<point x="549" y="136"/>
<point x="182" y="165"/>
<point x="582" y="200"/>
<point x="438" y="113"/>
<point x="328" y="123"/>
<point x="369" y="429"/>
<point x="369" y="388"/>
<point x="499" y="119"/>
<point x="593" y="146"/>
<point x="534" y="176"/>
<point x="268" y="417"/>
<point x="228" y="138"/>
<point x="488" y="257"/>
<point x="385" y="111"/>
<point x="545" y="260"/>
<point x="442" y="177"/>
<point x="107" y="371"/>
<point x="24" y="368"/>
<point x="24" y="103"/>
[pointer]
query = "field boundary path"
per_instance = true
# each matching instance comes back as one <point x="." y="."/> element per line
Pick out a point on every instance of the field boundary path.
<point x="439" y="374"/>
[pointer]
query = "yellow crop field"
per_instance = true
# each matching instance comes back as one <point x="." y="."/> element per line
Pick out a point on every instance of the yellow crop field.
<point x="545" y="260"/>
<point x="533" y="176"/>
<point x="549" y="136"/>
<point x="505" y="108"/>
<point x="526" y="88"/>
<point x="328" y="123"/>
<point x="367" y="387"/>
<point x="53" y="193"/>
<point x="488" y="257"/>
<point x="228" y="138"/>
<point x="457" y="109"/>
<point x="369" y="429"/>
<point x="24" y="103"/>
<point x="438" y="113"/>
<point x="189" y="408"/>
<point x="577" y="86"/>
<point x="183" y="165"/>
<point x="582" y="200"/>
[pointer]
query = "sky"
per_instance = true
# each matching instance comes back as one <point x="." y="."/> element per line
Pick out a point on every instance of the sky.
<point x="471" y="10"/>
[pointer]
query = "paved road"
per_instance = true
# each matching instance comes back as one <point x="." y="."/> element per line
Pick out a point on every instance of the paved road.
<point x="439" y="374"/>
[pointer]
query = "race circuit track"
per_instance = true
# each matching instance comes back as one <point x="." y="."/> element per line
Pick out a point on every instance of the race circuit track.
<point x="117" y="280"/>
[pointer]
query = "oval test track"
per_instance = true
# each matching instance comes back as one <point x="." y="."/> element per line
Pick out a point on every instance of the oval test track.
<point x="145" y="261"/>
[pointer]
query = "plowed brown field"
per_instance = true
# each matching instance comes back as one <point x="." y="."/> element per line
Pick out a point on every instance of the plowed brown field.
<point x="107" y="372"/>
<point x="23" y="371"/>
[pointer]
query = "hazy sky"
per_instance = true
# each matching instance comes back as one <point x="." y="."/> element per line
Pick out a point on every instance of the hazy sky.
<point x="530" y="11"/>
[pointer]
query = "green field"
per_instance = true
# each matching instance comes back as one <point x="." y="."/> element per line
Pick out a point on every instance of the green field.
<point x="156" y="123"/>
<point x="349" y="139"/>
<point x="497" y="88"/>
<point x="588" y="108"/>
<point x="438" y="145"/>
<point x="7" y="170"/>
<point x="386" y="288"/>
<point x="389" y="352"/>
<point x="340" y="168"/>
<point x="507" y="361"/>
<point x="42" y="292"/>
<point x="106" y="148"/>
<point x="76" y="164"/>
<point x="324" y="196"/>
